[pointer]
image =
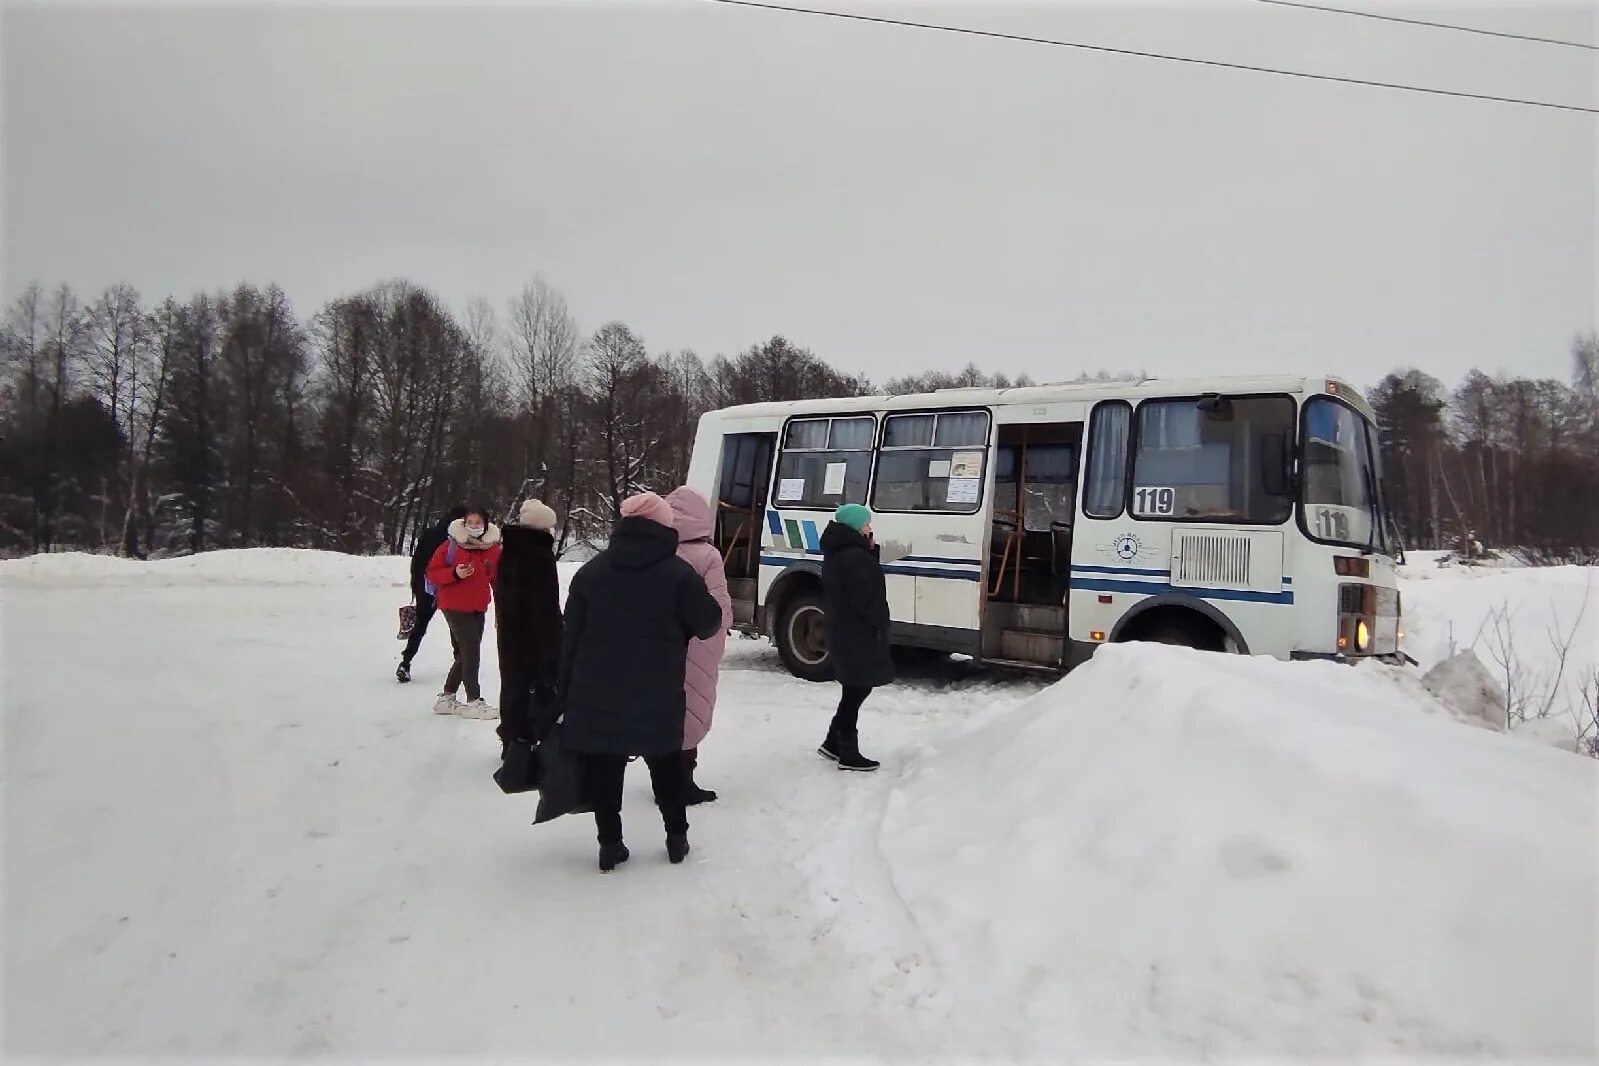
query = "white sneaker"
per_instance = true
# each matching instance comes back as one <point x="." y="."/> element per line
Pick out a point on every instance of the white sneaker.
<point x="478" y="710"/>
<point x="445" y="704"/>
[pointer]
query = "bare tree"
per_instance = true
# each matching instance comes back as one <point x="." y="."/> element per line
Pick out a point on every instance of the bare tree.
<point x="544" y="351"/>
<point x="119" y="358"/>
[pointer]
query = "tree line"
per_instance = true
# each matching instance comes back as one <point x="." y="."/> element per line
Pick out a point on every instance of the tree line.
<point x="229" y="421"/>
<point x="1514" y="459"/>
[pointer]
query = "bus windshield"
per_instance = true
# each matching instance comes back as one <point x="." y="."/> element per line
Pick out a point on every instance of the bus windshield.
<point x="1340" y="501"/>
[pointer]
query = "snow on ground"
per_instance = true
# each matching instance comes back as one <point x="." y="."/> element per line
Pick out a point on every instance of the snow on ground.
<point x="227" y="831"/>
<point x="1516" y="620"/>
<point x="1204" y="855"/>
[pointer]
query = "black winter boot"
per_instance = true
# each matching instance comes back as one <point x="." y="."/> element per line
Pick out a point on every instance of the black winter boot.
<point x="402" y="673"/>
<point x="850" y="757"/>
<point x="612" y="856"/>
<point x="830" y="747"/>
<point x="694" y="795"/>
<point x="676" y="847"/>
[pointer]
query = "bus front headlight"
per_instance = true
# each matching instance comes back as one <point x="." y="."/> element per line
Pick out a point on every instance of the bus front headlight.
<point x="1362" y="635"/>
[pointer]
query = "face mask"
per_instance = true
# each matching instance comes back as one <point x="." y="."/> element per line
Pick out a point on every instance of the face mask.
<point x="475" y="531"/>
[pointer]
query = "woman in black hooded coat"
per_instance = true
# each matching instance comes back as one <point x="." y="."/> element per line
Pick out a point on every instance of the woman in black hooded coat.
<point x="630" y="614"/>
<point x="528" y="626"/>
<point x="855" y="602"/>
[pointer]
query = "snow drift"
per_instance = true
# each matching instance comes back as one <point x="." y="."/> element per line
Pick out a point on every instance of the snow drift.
<point x="1171" y="853"/>
<point x="229" y="833"/>
<point x="1535" y="630"/>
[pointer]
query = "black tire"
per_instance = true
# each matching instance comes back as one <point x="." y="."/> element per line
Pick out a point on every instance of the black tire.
<point x="1181" y="635"/>
<point x="801" y="637"/>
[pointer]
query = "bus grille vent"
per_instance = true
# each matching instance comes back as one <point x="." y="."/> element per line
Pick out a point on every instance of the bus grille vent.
<point x="1214" y="559"/>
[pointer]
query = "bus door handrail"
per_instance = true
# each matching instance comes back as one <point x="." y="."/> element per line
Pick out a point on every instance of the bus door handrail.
<point x="1012" y="540"/>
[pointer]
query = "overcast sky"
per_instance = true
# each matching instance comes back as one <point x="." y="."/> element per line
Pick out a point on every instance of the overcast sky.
<point x="891" y="198"/>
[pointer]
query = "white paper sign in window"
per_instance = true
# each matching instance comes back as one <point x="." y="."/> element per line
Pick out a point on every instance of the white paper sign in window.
<point x="963" y="490"/>
<point x="791" y="488"/>
<point x="938" y="468"/>
<point x="965" y="465"/>
<point x="833" y="484"/>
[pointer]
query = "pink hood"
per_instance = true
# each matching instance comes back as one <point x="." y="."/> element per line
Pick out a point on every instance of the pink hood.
<point x="693" y="513"/>
<point x="694" y="523"/>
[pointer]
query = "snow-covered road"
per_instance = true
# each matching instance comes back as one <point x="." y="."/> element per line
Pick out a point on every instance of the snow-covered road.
<point x="227" y="831"/>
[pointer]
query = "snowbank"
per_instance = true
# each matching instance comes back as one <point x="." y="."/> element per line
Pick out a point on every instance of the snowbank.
<point x="1169" y="853"/>
<point x="258" y="567"/>
<point x="1516" y="621"/>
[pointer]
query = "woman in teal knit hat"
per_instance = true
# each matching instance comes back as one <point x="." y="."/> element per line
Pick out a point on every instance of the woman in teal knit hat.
<point x="855" y="599"/>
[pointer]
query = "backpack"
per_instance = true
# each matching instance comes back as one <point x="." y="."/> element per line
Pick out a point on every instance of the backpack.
<point x="449" y="560"/>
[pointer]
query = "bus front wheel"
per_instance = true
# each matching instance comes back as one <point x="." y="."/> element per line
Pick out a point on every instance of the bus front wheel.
<point x="1180" y="628"/>
<point x="801" y="637"/>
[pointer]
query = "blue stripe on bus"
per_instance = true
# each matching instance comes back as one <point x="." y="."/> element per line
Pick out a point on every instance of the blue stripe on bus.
<point x="1124" y="570"/>
<point x="888" y="568"/>
<point x="1154" y="588"/>
<point x="811" y="543"/>
<point x="1127" y="571"/>
<point x="939" y="559"/>
<point x="774" y="523"/>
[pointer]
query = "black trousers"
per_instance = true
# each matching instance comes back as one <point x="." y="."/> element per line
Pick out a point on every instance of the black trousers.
<point x="527" y="706"/>
<point x="846" y="720"/>
<point x="425" y="606"/>
<point x="466" y="634"/>
<point x="602" y="789"/>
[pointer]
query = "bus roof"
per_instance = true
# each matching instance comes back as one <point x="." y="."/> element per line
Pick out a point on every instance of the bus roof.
<point x="1087" y="391"/>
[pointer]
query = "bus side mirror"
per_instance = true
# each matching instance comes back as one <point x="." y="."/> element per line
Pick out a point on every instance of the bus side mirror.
<point x="1274" y="474"/>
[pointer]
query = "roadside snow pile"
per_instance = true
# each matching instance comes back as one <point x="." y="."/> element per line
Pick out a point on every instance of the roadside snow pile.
<point x="1171" y="853"/>
<point x="1535" y="630"/>
<point x="1464" y="684"/>
<point x="255" y="567"/>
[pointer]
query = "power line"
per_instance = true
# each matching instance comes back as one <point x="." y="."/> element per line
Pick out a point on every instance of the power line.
<point x="1433" y="25"/>
<point x="1157" y="55"/>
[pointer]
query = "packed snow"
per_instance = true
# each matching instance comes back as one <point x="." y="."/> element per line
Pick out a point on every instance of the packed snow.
<point x="229" y="832"/>
<point x="1535" y="630"/>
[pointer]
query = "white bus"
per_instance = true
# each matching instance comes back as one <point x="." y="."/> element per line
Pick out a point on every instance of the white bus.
<point x="1027" y="526"/>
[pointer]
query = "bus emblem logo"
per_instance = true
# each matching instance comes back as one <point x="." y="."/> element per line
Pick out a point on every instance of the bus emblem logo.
<point x="1126" y="547"/>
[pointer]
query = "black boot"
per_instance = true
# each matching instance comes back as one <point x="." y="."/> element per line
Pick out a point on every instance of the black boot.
<point x="612" y="856"/>
<point x="402" y="673"/>
<point x="830" y="747"/>
<point x="850" y="757"/>
<point x="677" y="847"/>
<point x="694" y="795"/>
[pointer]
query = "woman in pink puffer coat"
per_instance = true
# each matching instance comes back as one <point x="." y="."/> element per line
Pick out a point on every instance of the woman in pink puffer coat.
<point x="695" y="524"/>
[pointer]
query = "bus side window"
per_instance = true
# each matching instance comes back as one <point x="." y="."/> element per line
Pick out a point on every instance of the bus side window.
<point x="1105" y="484"/>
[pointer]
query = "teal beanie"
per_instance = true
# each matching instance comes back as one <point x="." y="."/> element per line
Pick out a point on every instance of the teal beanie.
<point x="854" y="515"/>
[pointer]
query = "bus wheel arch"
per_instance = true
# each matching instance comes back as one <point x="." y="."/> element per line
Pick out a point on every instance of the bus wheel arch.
<point x="797" y="620"/>
<point x="1186" y="621"/>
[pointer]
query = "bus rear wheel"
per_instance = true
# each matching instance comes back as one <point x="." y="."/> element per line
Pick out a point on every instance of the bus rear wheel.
<point x="801" y="637"/>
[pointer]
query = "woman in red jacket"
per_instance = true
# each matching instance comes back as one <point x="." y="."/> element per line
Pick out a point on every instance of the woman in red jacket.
<point x="463" y="572"/>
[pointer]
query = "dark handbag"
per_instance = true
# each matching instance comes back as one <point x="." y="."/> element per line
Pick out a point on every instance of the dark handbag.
<point x="519" y="772"/>
<point x="560" y="779"/>
<point x="407" y="620"/>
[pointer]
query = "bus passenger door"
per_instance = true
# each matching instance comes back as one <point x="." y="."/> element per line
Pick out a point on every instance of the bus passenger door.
<point x="743" y="483"/>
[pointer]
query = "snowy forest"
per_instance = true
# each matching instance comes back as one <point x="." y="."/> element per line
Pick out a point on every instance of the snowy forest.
<point x="231" y="421"/>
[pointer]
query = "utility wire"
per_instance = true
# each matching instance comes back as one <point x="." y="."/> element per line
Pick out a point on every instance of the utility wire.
<point x="1157" y="55"/>
<point x="1433" y="25"/>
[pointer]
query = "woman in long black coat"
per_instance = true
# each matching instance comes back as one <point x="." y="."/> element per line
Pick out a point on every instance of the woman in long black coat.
<point x="528" y="625"/>
<point x="630" y="614"/>
<point x="855" y="600"/>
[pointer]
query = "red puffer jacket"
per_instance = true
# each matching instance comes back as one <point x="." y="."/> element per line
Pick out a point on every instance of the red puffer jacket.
<point x="470" y="595"/>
